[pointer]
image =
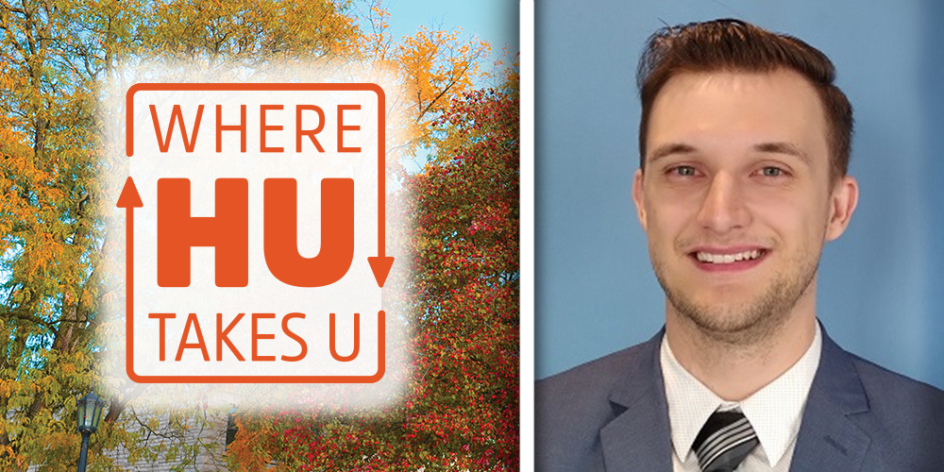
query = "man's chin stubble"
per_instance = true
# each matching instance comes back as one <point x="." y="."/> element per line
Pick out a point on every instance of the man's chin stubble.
<point x="734" y="325"/>
<point x="748" y="324"/>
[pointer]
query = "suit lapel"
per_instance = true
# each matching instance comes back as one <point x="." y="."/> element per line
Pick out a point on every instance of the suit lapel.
<point x="638" y="440"/>
<point x="828" y="439"/>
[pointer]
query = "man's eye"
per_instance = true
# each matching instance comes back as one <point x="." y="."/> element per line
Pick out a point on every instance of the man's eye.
<point x="684" y="171"/>
<point x="771" y="172"/>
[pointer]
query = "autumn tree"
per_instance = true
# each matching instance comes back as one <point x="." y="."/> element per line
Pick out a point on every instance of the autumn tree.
<point x="465" y="291"/>
<point x="461" y="301"/>
<point x="50" y="223"/>
<point x="438" y="67"/>
<point x="59" y="60"/>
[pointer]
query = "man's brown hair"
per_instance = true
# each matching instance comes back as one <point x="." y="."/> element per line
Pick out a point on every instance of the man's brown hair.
<point x="738" y="46"/>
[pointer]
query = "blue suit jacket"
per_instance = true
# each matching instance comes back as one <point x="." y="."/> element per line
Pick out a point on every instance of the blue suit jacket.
<point x="611" y="415"/>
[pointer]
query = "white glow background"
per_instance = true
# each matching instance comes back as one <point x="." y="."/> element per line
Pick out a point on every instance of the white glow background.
<point x="356" y="292"/>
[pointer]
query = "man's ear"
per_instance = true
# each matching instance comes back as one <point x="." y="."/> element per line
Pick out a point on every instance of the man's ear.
<point x="639" y="199"/>
<point x="842" y="203"/>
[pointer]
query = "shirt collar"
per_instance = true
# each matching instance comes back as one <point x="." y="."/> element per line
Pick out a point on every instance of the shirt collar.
<point x="777" y="404"/>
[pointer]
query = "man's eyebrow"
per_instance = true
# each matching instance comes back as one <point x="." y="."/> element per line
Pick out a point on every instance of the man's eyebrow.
<point x="783" y="148"/>
<point x="775" y="147"/>
<point x="669" y="149"/>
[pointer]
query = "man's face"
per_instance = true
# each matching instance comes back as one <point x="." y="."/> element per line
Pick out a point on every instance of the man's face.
<point x="736" y="198"/>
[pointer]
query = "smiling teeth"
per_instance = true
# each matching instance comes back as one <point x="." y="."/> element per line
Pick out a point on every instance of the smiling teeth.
<point x="728" y="258"/>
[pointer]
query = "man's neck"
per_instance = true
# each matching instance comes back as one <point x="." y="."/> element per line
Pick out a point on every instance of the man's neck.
<point x="735" y="371"/>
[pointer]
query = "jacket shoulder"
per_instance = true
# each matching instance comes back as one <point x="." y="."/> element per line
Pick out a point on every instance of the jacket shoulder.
<point x="905" y="420"/>
<point x="895" y="397"/>
<point x="597" y="376"/>
<point x="573" y="406"/>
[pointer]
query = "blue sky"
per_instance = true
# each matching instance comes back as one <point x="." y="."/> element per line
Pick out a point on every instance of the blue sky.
<point x="495" y="21"/>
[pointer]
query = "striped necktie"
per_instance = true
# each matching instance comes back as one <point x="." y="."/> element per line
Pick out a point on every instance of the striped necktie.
<point x="725" y="440"/>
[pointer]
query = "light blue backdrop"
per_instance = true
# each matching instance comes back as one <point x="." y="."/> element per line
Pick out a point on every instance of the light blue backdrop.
<point x="881" y="292"/>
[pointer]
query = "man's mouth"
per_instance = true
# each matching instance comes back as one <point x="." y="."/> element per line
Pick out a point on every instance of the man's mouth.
<point x="730" y="258"/>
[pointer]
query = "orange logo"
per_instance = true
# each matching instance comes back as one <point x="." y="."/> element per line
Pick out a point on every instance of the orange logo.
<point x="259" y="244"/>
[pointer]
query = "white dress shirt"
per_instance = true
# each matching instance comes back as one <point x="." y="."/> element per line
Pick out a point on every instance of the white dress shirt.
<point x="774" y="411"/>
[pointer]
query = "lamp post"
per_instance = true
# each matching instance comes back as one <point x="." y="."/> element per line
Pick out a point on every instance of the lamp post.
<point x="89" y="412"/>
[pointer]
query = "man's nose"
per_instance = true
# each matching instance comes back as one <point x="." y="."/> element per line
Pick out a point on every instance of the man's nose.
<point x="723" y="208"/>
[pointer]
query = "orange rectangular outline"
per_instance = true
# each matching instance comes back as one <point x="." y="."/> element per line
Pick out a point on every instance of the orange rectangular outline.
<point x="129" y="315"/>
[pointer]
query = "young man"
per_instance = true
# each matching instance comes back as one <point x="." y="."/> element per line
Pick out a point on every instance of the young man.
<point x="744" y="148"/>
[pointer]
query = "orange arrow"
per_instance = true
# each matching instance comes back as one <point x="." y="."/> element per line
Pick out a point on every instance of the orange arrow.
<point x="381" y="264"/>
<point x="381" y="267"/>
<point x="129" y="199"/>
